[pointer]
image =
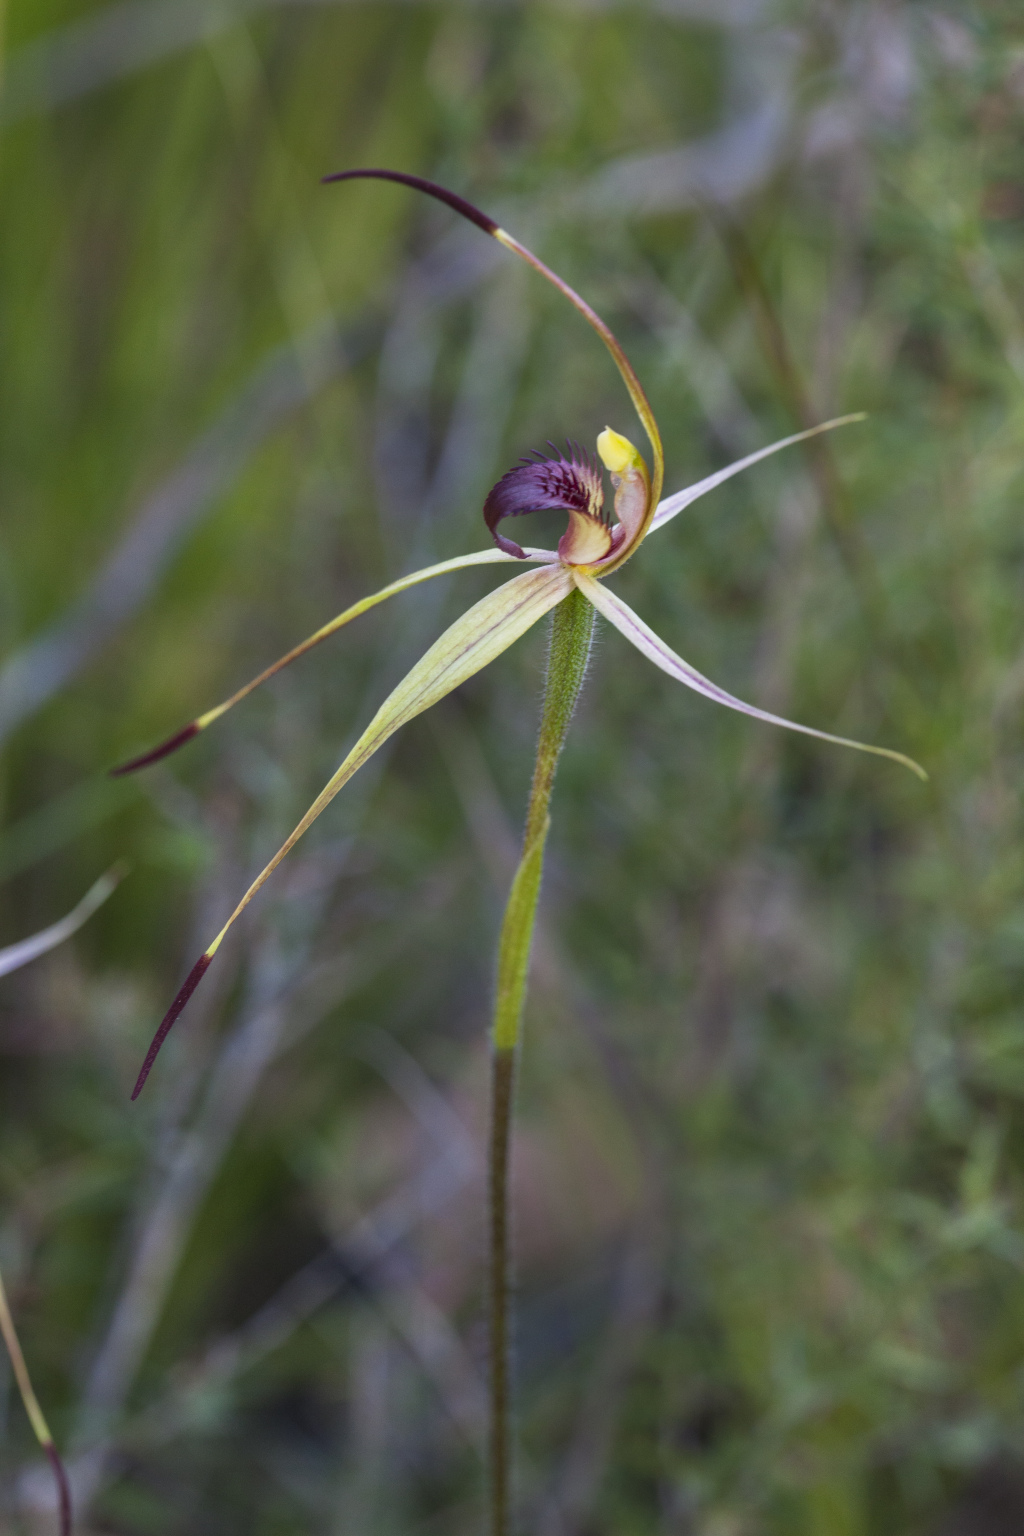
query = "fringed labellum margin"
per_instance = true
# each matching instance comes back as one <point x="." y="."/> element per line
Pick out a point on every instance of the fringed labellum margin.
<point x="573" y="485"/>
<point x="544" y="484"/>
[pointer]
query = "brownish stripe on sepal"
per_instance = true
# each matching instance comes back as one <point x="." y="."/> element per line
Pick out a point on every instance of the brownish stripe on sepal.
<point x="163" y="750"/>
<point x="431" y="188"/>
<point x="191" y="981"/>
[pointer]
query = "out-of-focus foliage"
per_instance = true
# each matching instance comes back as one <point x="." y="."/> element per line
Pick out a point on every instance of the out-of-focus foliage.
<point x="770" y="1176"/>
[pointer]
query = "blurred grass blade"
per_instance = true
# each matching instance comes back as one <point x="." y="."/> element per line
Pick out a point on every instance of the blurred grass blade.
<point x="35" y="1414"/>
<point x="17" y="955"/>
<point x="471" y="643"/>
<point x="672" y="505"/>
<point x="639" y="634"/>
<point x="50" y="827"/>
<point x="172" y="743"/>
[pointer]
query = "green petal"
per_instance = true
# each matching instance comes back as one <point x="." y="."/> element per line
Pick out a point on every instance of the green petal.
<point x="672" y="505"/>
<point x="481" y="557"/>
<point x="654" y="648"/>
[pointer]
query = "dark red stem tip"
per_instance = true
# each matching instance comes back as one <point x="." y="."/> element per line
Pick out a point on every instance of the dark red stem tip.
<point x="163" y="750"/>
<point x="189" y="985"/>
<point x="63" y="1488"/>
<point x="421" y="184"/>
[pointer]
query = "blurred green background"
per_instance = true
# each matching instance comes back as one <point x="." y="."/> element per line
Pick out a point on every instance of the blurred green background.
<point x="770" y="1169"/>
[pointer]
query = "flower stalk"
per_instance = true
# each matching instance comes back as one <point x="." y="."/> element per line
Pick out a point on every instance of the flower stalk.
<point x="572" y="632"/>
<point x="499" y="1436"/>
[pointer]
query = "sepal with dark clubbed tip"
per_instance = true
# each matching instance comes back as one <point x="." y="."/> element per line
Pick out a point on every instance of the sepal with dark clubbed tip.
<point x="583" y="544"/>
<point x="200" y="723"/>
<point x="421" y="184"/>
<point x="163" y="750"/>
<point x="170" y="1018"/>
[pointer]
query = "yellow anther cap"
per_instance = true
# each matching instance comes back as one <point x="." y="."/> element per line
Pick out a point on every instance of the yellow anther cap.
<point x="617" y="452"/>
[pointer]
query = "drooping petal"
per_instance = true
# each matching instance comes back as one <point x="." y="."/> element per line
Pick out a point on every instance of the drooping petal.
<point x="654" y="648"/>
<point x="481" y="557"/>
<point x="16" y="955"/>
<point x="474" y="640"/>
<point x="672" y="505"/>
<point x="544" y="484"/>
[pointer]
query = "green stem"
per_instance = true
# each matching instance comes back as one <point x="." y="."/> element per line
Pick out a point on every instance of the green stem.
<point x="503" y="1071"/>
<point x="572" y="630"/>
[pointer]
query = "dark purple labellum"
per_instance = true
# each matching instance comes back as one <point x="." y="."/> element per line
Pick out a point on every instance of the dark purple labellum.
<point x="543" y="484"/>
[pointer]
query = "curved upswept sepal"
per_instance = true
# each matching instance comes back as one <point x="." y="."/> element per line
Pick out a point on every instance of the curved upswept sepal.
<point x="483" y="221"/>
<point x="471" y="643"/>
<point x="479" y="557"/>
<point x="654" y="648"/>
<point x="421" y="184"/>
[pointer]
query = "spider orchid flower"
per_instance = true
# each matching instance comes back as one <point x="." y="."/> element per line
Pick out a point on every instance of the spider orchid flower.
<point x="594" y="546"/>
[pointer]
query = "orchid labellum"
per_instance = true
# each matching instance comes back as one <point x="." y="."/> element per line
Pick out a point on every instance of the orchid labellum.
<point x="571" y="581"/>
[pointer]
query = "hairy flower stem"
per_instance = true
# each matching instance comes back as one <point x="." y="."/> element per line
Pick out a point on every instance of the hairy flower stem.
<point x="572" y="630"/>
